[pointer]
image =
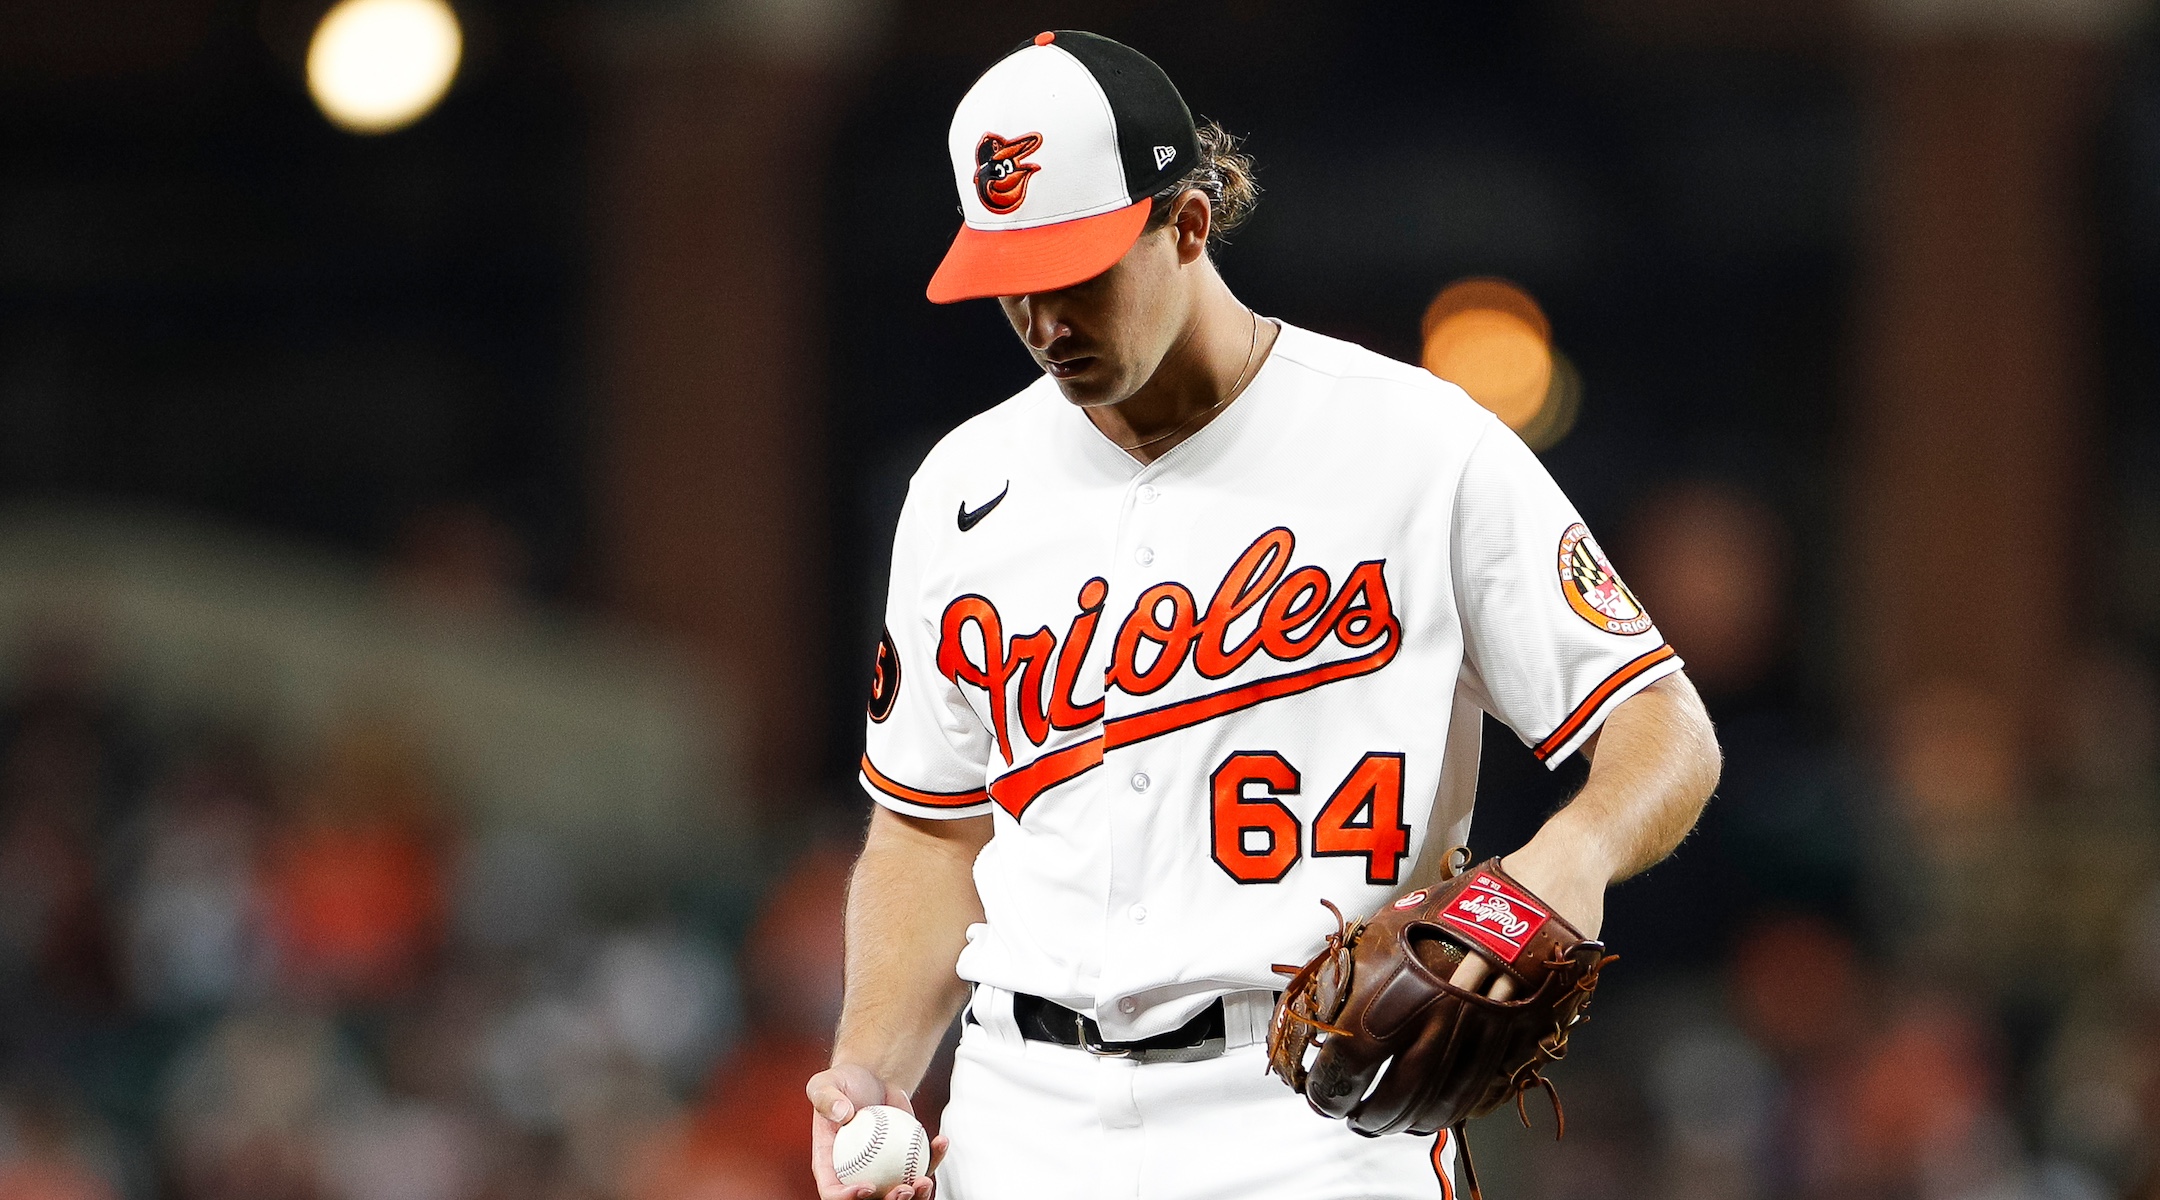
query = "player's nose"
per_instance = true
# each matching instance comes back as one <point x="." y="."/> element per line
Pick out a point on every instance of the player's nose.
<point x="1044" y="325"/>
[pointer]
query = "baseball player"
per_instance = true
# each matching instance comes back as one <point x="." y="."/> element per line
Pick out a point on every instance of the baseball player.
<point x="1197" y="631"/>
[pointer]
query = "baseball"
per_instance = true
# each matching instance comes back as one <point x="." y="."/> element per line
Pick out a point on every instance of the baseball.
<point x="882" y="1146"/>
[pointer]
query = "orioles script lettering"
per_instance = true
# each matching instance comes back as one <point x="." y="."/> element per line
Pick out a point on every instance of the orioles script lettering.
<point x="1294" y="613"/>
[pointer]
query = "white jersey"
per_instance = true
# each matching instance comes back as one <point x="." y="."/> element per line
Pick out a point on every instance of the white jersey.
<point x="1200" y="695"/>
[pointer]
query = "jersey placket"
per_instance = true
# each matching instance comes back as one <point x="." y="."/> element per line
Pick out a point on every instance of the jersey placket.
<point x="1137" y="780"/>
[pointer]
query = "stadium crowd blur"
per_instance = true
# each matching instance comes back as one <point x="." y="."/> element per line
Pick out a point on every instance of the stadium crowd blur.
<point x="393" y="878"/>
<point x="232" y="968"/>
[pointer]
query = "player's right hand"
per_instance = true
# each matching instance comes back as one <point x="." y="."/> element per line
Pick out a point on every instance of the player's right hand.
<point x="836" y="1095"/>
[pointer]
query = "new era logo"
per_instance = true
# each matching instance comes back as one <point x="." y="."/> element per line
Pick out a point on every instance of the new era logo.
<point x="1163" y="155"/>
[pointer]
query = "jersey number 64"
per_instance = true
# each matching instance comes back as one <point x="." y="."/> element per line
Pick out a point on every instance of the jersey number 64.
<point x="1258" y="839"/>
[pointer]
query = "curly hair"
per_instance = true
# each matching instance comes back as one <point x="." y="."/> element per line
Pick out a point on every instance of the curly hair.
<point x="1225" y="173"/>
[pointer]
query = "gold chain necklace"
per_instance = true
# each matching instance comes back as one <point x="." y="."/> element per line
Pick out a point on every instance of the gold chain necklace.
<point x="1228" y="396"/>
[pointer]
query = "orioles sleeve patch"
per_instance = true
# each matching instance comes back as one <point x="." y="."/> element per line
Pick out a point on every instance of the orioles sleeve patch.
<point x="1593" y="589"/>
<point x="884" y="678"/>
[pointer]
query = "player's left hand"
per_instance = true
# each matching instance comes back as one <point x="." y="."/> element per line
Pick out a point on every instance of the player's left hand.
<point x="1534" y="974"/>
<point x="1576" y="893"/>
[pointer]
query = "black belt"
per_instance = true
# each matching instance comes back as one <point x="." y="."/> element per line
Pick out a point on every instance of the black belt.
<point x="1043" y="1020"/>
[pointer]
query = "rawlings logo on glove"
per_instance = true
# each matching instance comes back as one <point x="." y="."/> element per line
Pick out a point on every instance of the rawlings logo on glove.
<point x="1494" y="920"/>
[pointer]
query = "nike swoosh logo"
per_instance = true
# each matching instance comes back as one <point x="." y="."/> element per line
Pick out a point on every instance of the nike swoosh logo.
<point x="969" y="520"/>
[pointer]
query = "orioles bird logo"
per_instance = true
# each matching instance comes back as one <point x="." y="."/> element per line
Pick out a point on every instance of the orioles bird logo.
<point x="1001" y="179"/>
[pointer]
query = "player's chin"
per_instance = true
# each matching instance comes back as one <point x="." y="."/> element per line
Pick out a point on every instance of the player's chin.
<point x="1096" y="384"/>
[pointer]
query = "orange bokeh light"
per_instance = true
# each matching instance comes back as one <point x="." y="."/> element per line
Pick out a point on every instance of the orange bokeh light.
<point x="1489" y="338"/>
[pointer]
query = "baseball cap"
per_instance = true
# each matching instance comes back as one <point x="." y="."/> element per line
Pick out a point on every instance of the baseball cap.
<point x="1057" y="151"/>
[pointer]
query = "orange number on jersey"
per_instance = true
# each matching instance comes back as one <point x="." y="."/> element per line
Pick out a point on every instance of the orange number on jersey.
<point x="1364" y="816"/>
<point x="1236" y="816"/>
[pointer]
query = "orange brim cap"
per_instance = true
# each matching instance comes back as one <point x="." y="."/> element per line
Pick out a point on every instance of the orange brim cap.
<point x="1044" y="258"/>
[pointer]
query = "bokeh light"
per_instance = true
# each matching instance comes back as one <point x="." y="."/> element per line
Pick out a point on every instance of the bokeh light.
<point x="1563" y="402"/>
<point x="379" y="65"/>
<point x="1713" y="562"/>
<point x="1490" y="338"/>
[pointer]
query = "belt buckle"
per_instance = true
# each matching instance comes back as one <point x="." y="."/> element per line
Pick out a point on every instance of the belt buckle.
<point x="1097" y="1048"/>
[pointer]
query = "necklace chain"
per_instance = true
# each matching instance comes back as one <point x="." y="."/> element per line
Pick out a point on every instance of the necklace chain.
<point x="1228" y="396"/>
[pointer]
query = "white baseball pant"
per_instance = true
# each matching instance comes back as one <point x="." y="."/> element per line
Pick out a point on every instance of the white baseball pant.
<point x="1030" y="1118"/>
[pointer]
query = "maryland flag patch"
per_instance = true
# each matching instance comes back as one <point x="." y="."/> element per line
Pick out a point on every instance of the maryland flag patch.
<point x="1593" y="589"/>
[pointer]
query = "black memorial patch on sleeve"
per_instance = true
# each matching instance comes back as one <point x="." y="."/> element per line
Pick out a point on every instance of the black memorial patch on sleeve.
<point x="884" y="678"/>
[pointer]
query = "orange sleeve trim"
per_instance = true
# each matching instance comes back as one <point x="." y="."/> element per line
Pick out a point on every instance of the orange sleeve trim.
<point x="900" y="791"/>
<point x="1596" y="700"/>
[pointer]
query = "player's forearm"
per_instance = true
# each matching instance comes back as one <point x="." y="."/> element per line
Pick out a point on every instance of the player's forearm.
<point x="1653" y="767"/>
<point x="910" y="902"/>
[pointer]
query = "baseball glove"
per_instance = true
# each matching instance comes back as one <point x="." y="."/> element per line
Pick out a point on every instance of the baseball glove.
<point x="1377" y="1002"/>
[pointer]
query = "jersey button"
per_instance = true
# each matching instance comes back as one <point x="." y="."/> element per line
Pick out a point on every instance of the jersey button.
<point x="1140" y="781"/>
<point x="1138" y="912"/>
<point x="1143" y="556"/>
<point x="1148" y="493"/>
<point x="1128" y="1006"/>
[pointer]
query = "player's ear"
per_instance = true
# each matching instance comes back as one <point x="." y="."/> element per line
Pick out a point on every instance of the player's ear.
<point x="1192" y="217"/>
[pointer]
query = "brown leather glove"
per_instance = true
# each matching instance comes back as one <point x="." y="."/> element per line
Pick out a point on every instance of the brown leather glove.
<point x="1377" y="1001"/>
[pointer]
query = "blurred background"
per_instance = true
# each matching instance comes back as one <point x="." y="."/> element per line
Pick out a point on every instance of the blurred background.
<point x="448" y="457"/>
